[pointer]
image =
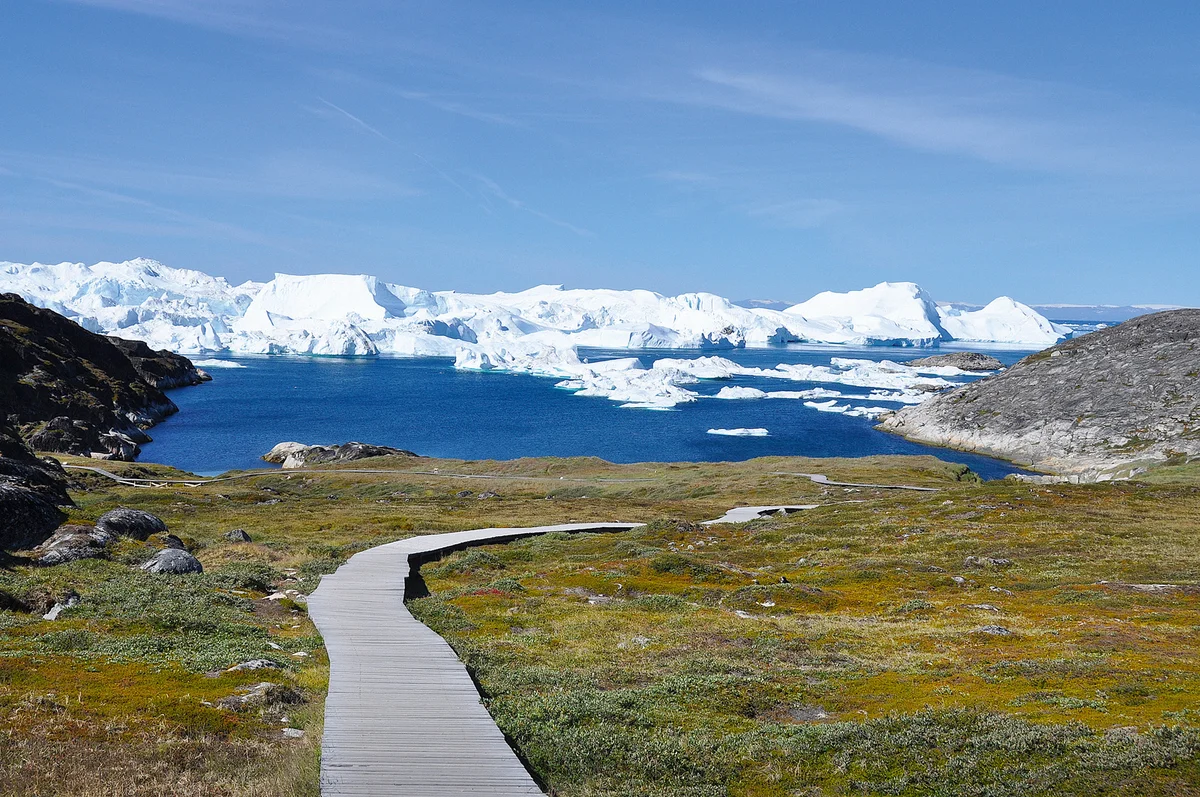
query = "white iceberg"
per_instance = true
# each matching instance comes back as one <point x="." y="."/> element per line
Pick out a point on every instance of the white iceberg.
<point x="360" y="315"/>
<point x="759" y="432"/>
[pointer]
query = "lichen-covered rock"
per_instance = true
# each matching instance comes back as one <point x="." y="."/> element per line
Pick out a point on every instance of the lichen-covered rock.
<point x="1100" y="406"/>
<point x="74" y="542"/>
<point x="173" y="561"/>
<point x="134" y="523"/>
<point x="237" y="535"/>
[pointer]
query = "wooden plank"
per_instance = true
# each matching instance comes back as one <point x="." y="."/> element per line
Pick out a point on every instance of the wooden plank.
<point x="403" y="716"/>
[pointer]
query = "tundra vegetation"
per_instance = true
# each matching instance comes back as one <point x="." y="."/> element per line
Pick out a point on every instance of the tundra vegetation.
<point x="984" y="639"/>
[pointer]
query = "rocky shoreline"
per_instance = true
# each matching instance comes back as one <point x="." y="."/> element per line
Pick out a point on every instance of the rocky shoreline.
<point x="1103" y="406"/>
<point x="66" y="390"/>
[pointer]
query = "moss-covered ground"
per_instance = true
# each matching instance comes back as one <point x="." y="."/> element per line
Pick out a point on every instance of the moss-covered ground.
<point x="845" y="650"/>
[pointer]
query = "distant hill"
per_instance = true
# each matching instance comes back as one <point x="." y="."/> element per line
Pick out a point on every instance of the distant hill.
<point x="67" y="390"/>
<point x="1093" y="407"/>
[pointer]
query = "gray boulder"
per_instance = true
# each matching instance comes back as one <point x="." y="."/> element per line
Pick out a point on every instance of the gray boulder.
<point x="237" y="535"/>
<point x="174" y="561"/>
<point x="133" y="523"/>
<point x="27" y="518"/>
<point x="74" y="542"/>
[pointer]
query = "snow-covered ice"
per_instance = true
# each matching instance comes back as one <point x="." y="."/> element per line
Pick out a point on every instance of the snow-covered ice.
<point x="537" y="331"/>
<point x="360" y="315"/>
<point x="217" y="364"/>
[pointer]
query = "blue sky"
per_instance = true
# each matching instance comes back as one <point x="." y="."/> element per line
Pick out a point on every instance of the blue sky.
<point x="1050" y="151"/>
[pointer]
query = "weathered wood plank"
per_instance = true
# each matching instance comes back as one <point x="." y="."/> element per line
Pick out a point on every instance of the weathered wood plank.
<point x="403" y="716"/>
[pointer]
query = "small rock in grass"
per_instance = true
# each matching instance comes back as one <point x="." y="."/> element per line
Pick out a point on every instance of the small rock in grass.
<point x="133" y="523"/>
<point x="254" y="664"/>
<point x="261" y="694"/>
<point x="983" y="607"/>
<point x="464" y="494"/>
<point x="808" y="714"/>
<point x="237" y="535"/>
<point x="487" y="494"/>
<point x="637" y="641"/>
<point x="293" y="733"/>
<point x="994" y="630"/>
<point x="1001" y="590"/>
<point x="70" y="600"/>
<point x="173" y="561"/>
<point x="171" y="541"/>
<point x="987" y="561"/>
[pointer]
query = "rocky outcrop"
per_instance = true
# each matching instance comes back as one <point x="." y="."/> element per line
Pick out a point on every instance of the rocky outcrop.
<point x="299" y="455"/>
<point x="68" y="390"/>
<point x="1098" y="407"/>
<point x="161" y="369"/>
<point x="963" y="360"/>
<point x="135" y="523"/>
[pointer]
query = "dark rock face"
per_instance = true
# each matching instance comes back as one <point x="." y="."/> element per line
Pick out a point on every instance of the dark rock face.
<point x="71" y="391"/>
<point x="133" y="523"/>
<point x="964" y="360"/>
<point x="31" y="490"/>
<point x="298" y="455"/>
<point x="173" y="561"/>
<point x="26" y="518"/>
<point x="1093" y="408"/>
<point x="74" y="542"/>
<point x="160" y="369"/>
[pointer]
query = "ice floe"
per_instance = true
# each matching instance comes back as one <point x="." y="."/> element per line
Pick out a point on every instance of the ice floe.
<point x="759" y="432"/>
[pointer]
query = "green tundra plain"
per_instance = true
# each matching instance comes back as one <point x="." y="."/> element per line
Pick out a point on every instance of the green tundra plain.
<point x="996" y="638"/>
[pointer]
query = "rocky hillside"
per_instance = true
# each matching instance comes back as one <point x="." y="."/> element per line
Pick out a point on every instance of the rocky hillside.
<point x="1092" y="408"/>
<point x="64" y="389"/>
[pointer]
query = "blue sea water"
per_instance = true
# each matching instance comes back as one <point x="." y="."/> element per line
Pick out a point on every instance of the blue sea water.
<point x="426" y="406"/>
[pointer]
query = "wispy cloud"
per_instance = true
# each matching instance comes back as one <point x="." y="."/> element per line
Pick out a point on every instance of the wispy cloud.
<point x="986" y="116"/>
<point x="289" y="174"/>
<point x="265" y="19"/>
<point x="491" y="188"/>
<point x="443" y="103"/>
<point x="802" y="214"/>
<point x="684" y="177"/>
<point x="342" y="112"/>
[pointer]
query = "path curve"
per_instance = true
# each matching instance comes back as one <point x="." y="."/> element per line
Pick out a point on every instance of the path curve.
<point x="403" y="716"/>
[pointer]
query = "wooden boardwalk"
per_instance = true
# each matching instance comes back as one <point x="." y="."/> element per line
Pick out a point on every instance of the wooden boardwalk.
<point x="403" y="717"/>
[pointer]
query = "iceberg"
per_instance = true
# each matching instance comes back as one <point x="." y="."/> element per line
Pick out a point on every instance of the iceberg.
<point x="360" y="315"/>
<point x="1004" y="320"/>
<point x="740" y="432"/>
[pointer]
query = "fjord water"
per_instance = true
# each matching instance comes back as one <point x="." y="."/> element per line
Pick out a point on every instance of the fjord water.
<point x="426" y="406"/>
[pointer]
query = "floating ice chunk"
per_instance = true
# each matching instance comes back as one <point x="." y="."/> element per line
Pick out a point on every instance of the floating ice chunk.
<point x="827" y="406"/>
<point x="740" y="432"/>
<point x="740" y="393"/>
<point x="217" y="364"/>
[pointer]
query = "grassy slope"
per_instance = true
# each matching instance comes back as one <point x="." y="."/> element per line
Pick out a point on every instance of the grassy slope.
<point x="620" y="664"/>
<point x="666" y="690"/>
